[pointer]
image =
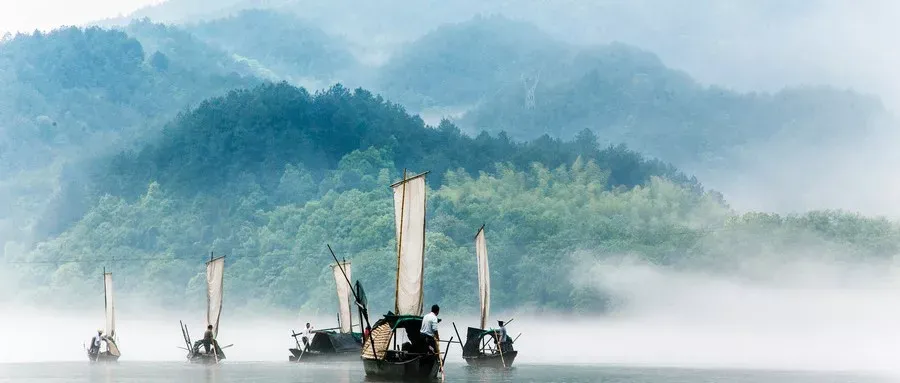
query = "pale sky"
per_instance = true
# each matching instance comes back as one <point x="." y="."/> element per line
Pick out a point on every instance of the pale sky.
<point x="28" y="15"/>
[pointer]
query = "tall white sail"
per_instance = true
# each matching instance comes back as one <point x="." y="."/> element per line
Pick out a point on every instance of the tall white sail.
<point x="409" y="217"/>
<point x="484" y="276"/>
<point x="215" y="270"/>
<point x="343" y="293"/>
<point x="110" y="305"/>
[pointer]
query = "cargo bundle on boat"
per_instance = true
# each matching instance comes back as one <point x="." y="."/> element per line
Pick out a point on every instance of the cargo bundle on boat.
<point x="329" y="345"/>
<point x="112" y="353"/>
<point x="395" y="348"/>
<point x="207" y="350"/>
<point x="487" y="347"/>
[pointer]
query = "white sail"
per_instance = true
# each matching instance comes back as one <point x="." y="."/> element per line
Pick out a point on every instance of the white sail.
<point x="484" y="276"/>
<point x="409" y="216"/>
<point x="110" y="305"/>
<point x="343" y="293"/>
<point x="215" y="270"/>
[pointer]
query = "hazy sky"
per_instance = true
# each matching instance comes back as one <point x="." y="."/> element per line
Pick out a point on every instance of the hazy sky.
<point x="27" y="15"/>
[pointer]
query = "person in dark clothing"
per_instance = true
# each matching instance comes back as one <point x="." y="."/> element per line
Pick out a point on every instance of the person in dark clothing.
<point x="208" y="338"/>
<point x="367" y="332"/>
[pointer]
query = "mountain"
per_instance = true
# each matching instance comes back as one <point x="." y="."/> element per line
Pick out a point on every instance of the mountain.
<point x="269" y="127"/>
<point x="240" y="172"/>
<point x="75" y="94"/>
<point x="191" y="53"/>
<point x="270" y="175"/>
<point x="281" y="43"/>
<point x="464" y="63"/>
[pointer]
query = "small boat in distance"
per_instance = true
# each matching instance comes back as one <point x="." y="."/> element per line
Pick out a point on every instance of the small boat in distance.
<point x="199" y="352"/>
<point x="112" y="353"/>
<point x="328" y="345"/>
<point x="485" y="347"/>
<point x="382" y="358"/>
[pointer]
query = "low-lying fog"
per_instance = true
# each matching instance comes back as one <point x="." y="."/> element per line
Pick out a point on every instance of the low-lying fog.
<point x="815" y="316"/>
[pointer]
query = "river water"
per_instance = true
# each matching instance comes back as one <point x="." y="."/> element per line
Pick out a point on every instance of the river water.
<point x="277" y="372"/>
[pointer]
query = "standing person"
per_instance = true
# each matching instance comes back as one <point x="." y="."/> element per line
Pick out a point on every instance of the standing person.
<point x="305" y="335"/>
<point x="429" y="329"/>
<point x="94" y="351"/>
<point x="367" y="332"/>
<point x="502" y="338"/>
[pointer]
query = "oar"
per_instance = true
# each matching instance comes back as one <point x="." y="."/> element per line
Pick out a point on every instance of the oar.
<point x="215" y="350"/>
<point x="295" y="338"/>
<point x="227" y="346"/>
<point x="440" y="362"/>
<point x="500" y="347"/>
<point x="447" y="351"/>
<point x="517" y="337"/>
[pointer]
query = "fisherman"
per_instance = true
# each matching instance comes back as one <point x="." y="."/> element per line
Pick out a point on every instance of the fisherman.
<point x="208" y="338"/>
<point x="367" y="332"/>
<point x="95" y="344"/>
<point x="501" y="338"/>
<point x="429" y="329"/>
<point x="305" y="335"/>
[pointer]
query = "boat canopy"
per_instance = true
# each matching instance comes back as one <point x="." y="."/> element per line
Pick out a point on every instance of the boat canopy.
<point x="384" y="330"/>
<point x="333" y="342"/>
<point x="475" y="342"/>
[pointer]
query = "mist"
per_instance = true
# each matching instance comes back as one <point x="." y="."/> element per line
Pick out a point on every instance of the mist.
<point x="801" y="315"/>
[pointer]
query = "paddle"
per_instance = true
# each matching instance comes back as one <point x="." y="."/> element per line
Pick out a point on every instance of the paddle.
<point x="437" y="344"/>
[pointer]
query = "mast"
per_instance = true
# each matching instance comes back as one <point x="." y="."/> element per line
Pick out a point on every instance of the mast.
<point x="400" y="245"/>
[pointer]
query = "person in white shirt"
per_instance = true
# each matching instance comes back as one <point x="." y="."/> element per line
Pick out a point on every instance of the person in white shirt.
<point x="503" y="341"/>
<point x="429" y="329"/>
<point x="305" y="335"/>
<point x="95" y="343"/>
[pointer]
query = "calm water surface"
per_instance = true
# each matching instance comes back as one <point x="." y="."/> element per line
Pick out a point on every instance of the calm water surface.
<point x="177" y="372"/>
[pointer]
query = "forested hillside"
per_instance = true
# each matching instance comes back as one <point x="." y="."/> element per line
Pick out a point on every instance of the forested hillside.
<point x="270" y="175"/>
<point x="281" y="43"/>
<point x="142" y="150"/>
<point x="74" y="94"/>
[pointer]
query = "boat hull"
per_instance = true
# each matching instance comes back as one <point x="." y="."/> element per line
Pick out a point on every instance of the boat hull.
<point x="103" y="357"/>
<point x="493" y="360"/>
<point x="322" y="357"/>
<point x="204" y="359"/>
<point x="422" y="368"/>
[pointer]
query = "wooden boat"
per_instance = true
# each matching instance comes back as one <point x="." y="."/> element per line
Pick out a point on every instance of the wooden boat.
<point x="112" y="353"/>
<point x="382" y="358"/>
<point x="482" y="348"/>
<point x="328" y="345"/>
<point x="215" y="271"/>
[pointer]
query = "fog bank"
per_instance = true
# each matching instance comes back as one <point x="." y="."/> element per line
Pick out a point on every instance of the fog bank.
<point x="802" y="315"/>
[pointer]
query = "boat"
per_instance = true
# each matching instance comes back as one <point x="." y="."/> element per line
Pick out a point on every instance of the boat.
<point x="329" y="345"/>
<point x="112" y="353"/>
<point x="215" y="270"/>
<point x="382" y="358"/>
<point x="481" y="348"/>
